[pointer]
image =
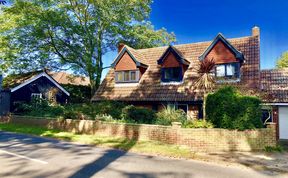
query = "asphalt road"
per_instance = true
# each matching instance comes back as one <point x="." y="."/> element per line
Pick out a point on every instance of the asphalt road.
<point x="28" y="156"/>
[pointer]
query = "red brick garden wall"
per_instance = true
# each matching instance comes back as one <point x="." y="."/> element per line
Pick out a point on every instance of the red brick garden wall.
<point x="204" y="140"/>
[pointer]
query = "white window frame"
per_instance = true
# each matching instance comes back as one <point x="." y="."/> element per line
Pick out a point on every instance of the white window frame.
<point x="36" y="95"/>
<point x="137" y="76"/>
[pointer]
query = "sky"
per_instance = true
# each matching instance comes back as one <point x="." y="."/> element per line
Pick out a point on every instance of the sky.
<point x="201" y="20"/>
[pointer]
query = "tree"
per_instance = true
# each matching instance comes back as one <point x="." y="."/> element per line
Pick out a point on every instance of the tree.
<point x="282" y="62"/>
<point x="204" y="80"/>
<point x="73" y="34"/>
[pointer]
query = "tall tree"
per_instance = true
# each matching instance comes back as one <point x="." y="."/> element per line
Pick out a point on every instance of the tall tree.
<point x="74" y="34"/>
<point x="282" y="61"/>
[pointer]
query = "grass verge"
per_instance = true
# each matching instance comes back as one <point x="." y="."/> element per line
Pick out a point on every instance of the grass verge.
<point x="147" y="147"/>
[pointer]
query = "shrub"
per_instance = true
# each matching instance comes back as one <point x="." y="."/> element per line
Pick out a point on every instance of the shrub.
<point x="74" y="115"/>
<point x="227" y="108"/>
<point x="271" y="149"/>
<point x="169" y="114"/>
<point x="104" y="117"/>
<point x="112" y="108"/>
<point x="197" y="124"/>
<point x="138" y="115"/>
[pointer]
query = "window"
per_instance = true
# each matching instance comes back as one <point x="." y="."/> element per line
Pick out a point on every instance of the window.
<point x="183" y="107"/>
<point x="172" y="74"/>
<point x="36" y="95"/>
<point x="266" y="116"/>
<point x="127" y="76"/>
<point x="229" y="71"/>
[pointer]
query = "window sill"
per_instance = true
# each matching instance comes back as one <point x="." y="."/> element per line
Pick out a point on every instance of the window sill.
<point x="126" y="84"/>
<point x="228" y="80"/>
<point x="172" y="83"/>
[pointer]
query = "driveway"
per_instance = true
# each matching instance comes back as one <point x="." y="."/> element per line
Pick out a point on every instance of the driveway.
<point x="29" y="156"/>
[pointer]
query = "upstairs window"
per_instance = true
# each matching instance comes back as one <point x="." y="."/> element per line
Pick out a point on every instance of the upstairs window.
<point x="129" y="76"/>
<point x="172" y="74"/>
<point x="227" y="71"/>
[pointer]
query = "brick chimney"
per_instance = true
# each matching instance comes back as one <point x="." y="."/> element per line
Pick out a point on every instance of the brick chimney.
<point x="120" y="46"/>
<point x="255" y="31"/>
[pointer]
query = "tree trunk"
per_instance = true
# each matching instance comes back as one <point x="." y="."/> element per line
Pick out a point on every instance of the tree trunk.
<point x="204" y="106"/>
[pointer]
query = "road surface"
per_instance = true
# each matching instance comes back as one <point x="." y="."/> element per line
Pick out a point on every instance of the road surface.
<point x="29" y="156"/>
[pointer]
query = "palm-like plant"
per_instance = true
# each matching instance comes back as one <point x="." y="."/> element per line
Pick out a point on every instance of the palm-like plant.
<point x="205" y="79"/>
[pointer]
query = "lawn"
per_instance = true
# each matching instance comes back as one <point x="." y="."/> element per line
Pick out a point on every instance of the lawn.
<point x="147" y="147"/>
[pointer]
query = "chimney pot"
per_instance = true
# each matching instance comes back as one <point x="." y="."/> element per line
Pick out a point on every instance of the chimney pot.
<point x="255" y="31"/>
<point x="120" y="46"/>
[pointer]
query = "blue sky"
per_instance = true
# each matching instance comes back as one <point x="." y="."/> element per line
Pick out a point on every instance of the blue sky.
<point x="201" y="20"/>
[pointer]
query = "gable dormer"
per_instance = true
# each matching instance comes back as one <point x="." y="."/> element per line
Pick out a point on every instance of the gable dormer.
<point x="173" y="65"/>
<point x="228" y="60"/>
<point x="128" y="68"/>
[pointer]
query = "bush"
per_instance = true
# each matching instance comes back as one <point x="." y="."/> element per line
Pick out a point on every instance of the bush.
<point x="227" y="108"/>
<point x="168" y="115"/>
<point x="271" y="149"/>
<point x="197" y="124"/>
<point x="138" y="115"/>
<point x="104" y="117"/>
<point x="111" y="108"/>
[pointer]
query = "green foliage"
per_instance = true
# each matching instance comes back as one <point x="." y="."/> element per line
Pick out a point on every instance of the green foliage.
<point x="138" y="115"/>
<point x="169" y="114"/>
<point x="79" y="94"/>
<point x="277" y="148"/>
<point x="197" y="124"/>
<point x="233" y="111"/>
<point x="74" y="34"/>
<point x="39" y="108"/>
<point x="282" y="61"/>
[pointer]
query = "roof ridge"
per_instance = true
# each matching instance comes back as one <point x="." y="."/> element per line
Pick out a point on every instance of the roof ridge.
<point x="199" y="42"/>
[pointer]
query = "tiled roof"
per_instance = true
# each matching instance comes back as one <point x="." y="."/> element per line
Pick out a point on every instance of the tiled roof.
<point x="65" y="78"/>
<point x="60" y="77"/>
<point x="150" y="87"/>
<point x="275" y="83"/>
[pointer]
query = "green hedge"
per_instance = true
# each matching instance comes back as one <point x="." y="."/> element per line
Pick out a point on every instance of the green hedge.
<point x="138" y="115"/>
<point x="227" y="108"/>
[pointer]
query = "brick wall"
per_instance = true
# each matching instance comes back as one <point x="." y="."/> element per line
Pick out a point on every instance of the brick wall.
<point x="205" y="140"/>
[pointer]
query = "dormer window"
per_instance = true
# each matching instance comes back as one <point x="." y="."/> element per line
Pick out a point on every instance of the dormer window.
<point x="127" y="76"/>
<point x="172" y="74"/>
<point x="173" y="65"/>
<point x="227" y="71"/>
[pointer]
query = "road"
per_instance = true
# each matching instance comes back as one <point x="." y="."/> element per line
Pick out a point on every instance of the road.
<point x="29" y="156"/>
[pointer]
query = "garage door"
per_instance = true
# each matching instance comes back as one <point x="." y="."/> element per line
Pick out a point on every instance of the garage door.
<point x="283" y="122"/>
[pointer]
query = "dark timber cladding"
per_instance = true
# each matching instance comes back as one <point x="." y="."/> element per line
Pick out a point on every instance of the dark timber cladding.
<point x="41" y="85"/>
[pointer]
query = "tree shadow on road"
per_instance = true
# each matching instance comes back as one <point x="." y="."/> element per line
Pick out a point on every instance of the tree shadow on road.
<point x="109" y="156"/>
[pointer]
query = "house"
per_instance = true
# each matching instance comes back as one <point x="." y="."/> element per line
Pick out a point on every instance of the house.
<point x="160" y="76"/>
<point x="41" y="84"/>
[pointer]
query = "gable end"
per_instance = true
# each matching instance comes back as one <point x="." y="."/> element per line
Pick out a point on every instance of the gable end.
<point x="220" y="37"/>
<point x="123" y="51"/>
<point x="176" y="53"/>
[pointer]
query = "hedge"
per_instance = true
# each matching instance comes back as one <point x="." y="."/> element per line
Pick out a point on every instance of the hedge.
<point x="228" y="108"/>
